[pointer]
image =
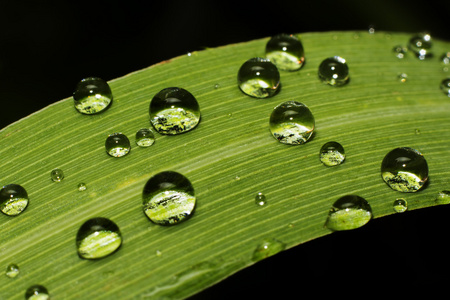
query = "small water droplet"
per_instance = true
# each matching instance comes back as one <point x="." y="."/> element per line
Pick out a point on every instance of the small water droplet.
<point x="97" y="238"/>
<point x="445" y="86"/>
<point x="420" y="44"/>
<point x="12" y="270"/>
<point x="286" y="52"/>
<point x="189" y="54"/>
<point x="82" y="187"/>
<point x="332" y="154"/>
<point x="371" y="29"/>
<point x="259" y="77"/>
<point x="230" y="115"/>
<point x="266" y="248"/>
<point x="173" y="111"/>
<point x="400" y="205"/>
<point x="237" y="178"/>
<point x="117" y="144"/>
<point x="145" y="137"/>
<point x="260" y="199"/>
<point x="334" y="71"/>
<point x="445" y="58"/>
<point x="356" y="35"/>
<point x="158" y="253"/>
<point x="168" y="198"/>
<point x="400" y="51"/>
<point x="402" y="77"/>
<point x="348" y="212"/>
<point x="37" y="292"/>
<point x="443" y="197"/>
<point x="13" y="199"/>
<point x="404" y="169"/>
<point x="92" y="95"/>
<point x="216" y="86"/>
<point x="292" y="123"/>
<point x="57" y="175"/>
<point x="417" y="131"/>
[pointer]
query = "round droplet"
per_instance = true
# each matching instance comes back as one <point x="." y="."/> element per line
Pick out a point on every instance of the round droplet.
<point x="332" y="154"/>
<point x="12" y="270"/>
<point x="445" y="58"/>
<point x="37" y="292"/>
<point x="402" y="77"/>
<point x="400" y="205"/>
<point x="371" y="29"/>
<point x="286" y="52"/>
<point x="266" y="248"/>
<point x="260" y="199"/>
<point x="168" y="198"/>
<point x="259" y="77"/>
<point x="420" y="45"/>
<point x="13" y="199"/>
<point x="145" y="137"/>
<point x="117" y="144"/>
<point x="92" y="95"/>
<point x="158" y="253"/>
<point x="173" y="111"/>
<point x="292" y="123"/>
<point x="348" y="212"/>
<point x="443" y="197"/>
<point x="417" y="131"/>
<point x="334" y="71"/>
<point x="400" y="51"/>
<point x="445" y="86"/>
<point x="82" y="187"/>
<point x="404" y="169"/>
<point x="97" y="238"/>
<point x="57" y="175"/>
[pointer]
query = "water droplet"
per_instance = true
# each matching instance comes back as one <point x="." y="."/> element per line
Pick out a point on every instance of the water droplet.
<point x="173" y="111"/>
<point x="97" y="238"/>
<point x="402" y="77"/>
<point x="216" y="86"/>
<point x="420" y="45"/>
<point x="356" y="35"/>
<point x="168" y="198"/>
<point x="266" y="248"/>
<point x="260" y="199"/>
<point x="404" y="169"/>
<point x="417" y="131"/>
<point x="82" y="187"/>
<point x="117" y="144"/>
<point x="158" y="253"/>
<point x="445" y="58"/>
<point x="286" y="52"/>
<point x="332" y="154"/>
<point x="57" y="175"/>
<point x="371" y="29"/>
<point x="445" y="86"/>
<point x="400" y="205"/>
<point x="259" y="77"/>
<point x="92" y="95"/>
<point x="292" y="123"/>
<point x="443" y="197"/>
<point x="348" y="212"/>
<point x="37" y="292"/>
<point x="12" y="270"/>
<point x="400" y="51"/>
<point x="145" y="137"/>
<point x="237" y="178"/>
<point x="334" y="71"/>
<point x="13" y="199"/>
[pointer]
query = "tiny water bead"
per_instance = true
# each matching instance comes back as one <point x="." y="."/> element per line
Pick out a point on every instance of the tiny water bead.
<point x="334" y="71"/>
<point x="37" y="292"/>
<point x="13" y="199"/>
<point x="400" y="51"/>
<point x="404" y="169"/>
<point x="420" y="44"/>
<point x="260" y="199"/>
<point x="12" y="270"/>
<point x="402" y="77"/>
<point x="332" y="154"/>
<point x="57" y="175"/>
<point x="292" y="123"/>
<point x="400" y="205"/>
<point x="266" y="248"/>
<point x="145" y="137"/>
<point x="92" y="95"/>
<point x="348" y="212"/>
<point x="286" y="52"/>
<point x="445" y="58"/>
<point x="443" y="197"/>
<point x="168" y="198"/>
<point x="82" y="187"/>
<point x="97" y="238"/>
<point x="117" y="144"/>
<point x="445" y="86"/>
<point x="259" y="77"/>
<point x="173" y="111"/>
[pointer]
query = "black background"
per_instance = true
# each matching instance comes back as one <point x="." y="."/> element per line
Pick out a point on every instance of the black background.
<point x="46" y="47"/>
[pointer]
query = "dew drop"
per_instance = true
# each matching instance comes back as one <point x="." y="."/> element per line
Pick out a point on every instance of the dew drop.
<point x="292" y="123"/>
<point x="173" y="111"/>
<point x="37" y="292"/>
<point x="371" y="29"/>
<point x="334" y="71"/>
<point x="13" y="199"/>
<point x="332" y="154"/>
<point x="259" y="77"/>
<point x="404" y="169"/>
<point x="92" y="95"/>
<point x="97" y="238"/>
<point x="420" y="45"/>
<point x="402" y="77"/>
<point x="168" y="198"/>
<point x="445" y="86"/>
<point x="417" y="131"/>
<point x="400" y="205"/>
<point x="443" y="197"/>
<point x="445" y="58"/>
<point x="260" y="199"/>
<point x="400" y="51"/>
<point x="145" y="137"/>
<point x="158" y="253"/>
<point x="82" y="187"/>
<point x="57" y="175"/>
<point x="286" y="52"/>
<point x="266" y="248"/>
<point x="117" y="144"/>
<point x="216" y="86"/>
<point x="12" y="270"/>
<point x="348" y="212"/>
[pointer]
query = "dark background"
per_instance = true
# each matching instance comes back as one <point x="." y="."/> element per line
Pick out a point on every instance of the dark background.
<point x="46" y="47"/>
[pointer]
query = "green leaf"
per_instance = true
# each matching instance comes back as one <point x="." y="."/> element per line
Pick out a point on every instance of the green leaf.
<point x="229" y="158"/>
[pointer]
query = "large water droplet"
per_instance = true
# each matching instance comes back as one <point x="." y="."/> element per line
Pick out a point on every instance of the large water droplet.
<point x="445" y="86"/>
<point x="97" y="238"/>
<point x="404" y="169"/>
<point x="332" y="154"/>
<point x="260" y="199"/>
<point x="57" y="175"/>
<point x="400" y="205"/>
<point x="168" y="198"/>
<point x="292" y="123"/>
<point x="286" y="52"/>
<point x="173" y="111"/>
<point x="117" y="144"/>
<point x="37" y="292"/>
<point x="145" y="137"/>
<point x="420" y="45"/>
<point x="443" y="197"/>
<point x="259" y="77"/>
<point x="334" y="71"/>
<point x="12" y="270"/>
<point x="13" y="199"/>
<point x="266" y="248"/>
<point x="92" y="95"/>
<point x="400" y="51"/>
<point x="348" y="212"/>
